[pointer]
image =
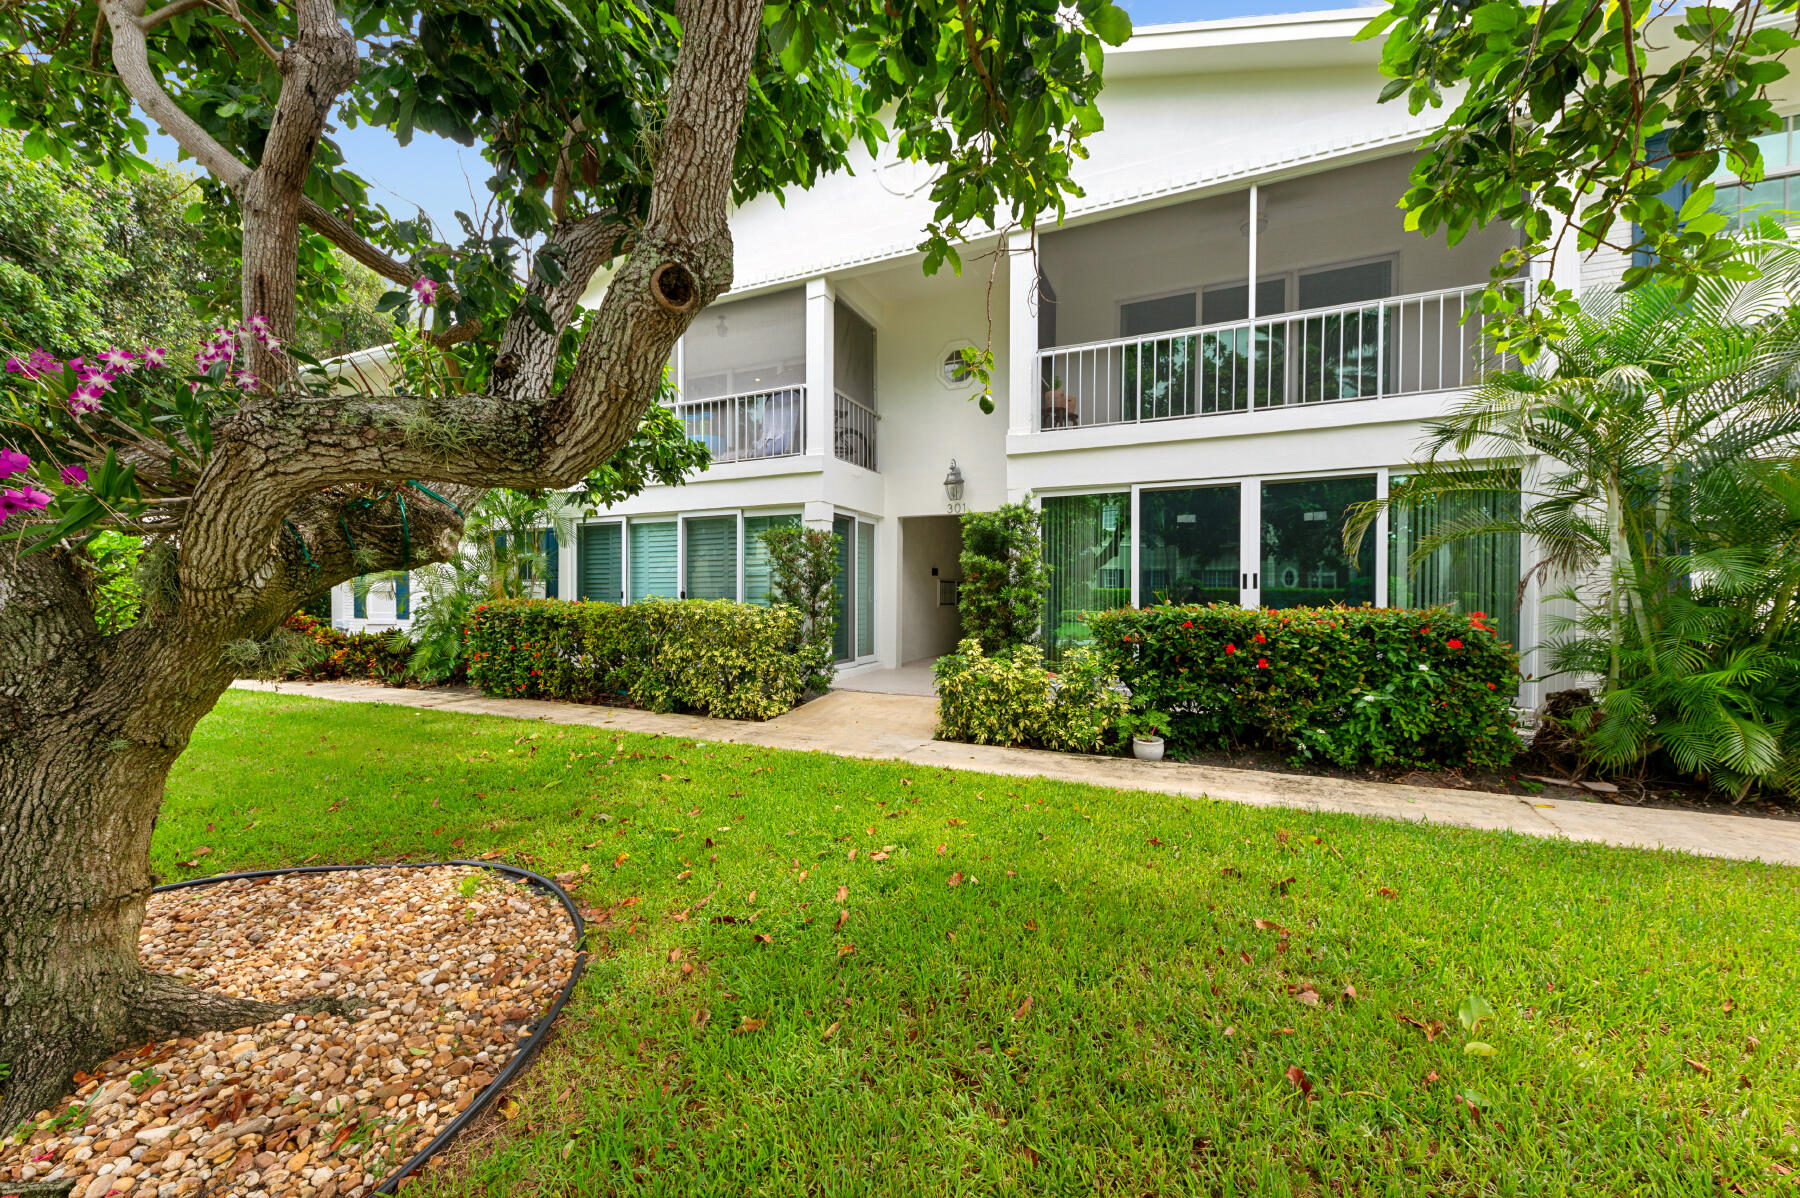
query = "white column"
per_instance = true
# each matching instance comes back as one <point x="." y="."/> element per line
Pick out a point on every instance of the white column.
<point x="1250" y="236"/>
<point x="1019" y="351"/>
<point x="818" y="513"/>
<point x="820" y="369"/>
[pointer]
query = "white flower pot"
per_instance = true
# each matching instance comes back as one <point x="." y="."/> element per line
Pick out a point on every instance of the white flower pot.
<point x="1147" y="748"/>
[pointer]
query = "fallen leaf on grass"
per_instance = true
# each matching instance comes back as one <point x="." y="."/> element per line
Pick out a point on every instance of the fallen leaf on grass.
<point x="1480" y="1048"/>
<point x="621" y="859"/>
<point x="1349" y="990"/>
<point x="954" y="879"/>
<point x="843" y="917"/>
<point x="1024" y="1008"/>
<point x="1229" y="872"/>
<point x="763" y="938"/>
<point x="1298" y="1076"/>
<point x="844" y="950"/>
<point x="1473" y="1010"/>
<point x="881" y="856"/>
<point x="1268" y="925"/>
<point x="1306" y="996"/>
<point x="1698" y="1066"/>
<point x="1154" y="840"/>
<point x="1386" y="892"/>
<point x="1031" y="925"/>
<point x="509" y="1108"/>
<point x="843" y="893"/>
<point x="702" y="1017"/>
<point x="675" y="954"/>
<point x="747" y="1026"/>
<point x="943" y="847"/>
<point x="1431" y="1029"/>
<point x="752" y="899"/>
<point x="1280" y="887"/>
<point x="829" y="1032"/>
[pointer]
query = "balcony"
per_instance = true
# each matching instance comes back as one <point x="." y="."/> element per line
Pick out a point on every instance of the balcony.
<point x="748" y="427"/>
<point x="853" y="432"/>
<point x="1299" y="291"/>
<point x="1402" y="345"/>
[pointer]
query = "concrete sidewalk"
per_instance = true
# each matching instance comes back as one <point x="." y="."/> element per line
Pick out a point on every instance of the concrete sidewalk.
<point x="901" y="727"/>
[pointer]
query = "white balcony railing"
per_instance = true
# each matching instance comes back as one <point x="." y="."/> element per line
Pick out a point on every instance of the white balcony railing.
<point x="749" y="427"/>
<point x="1404" y="345"/>
<point x="853" y="432"/>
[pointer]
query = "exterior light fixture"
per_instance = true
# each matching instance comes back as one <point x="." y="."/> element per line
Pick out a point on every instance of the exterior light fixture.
<point x="953" y="486"/>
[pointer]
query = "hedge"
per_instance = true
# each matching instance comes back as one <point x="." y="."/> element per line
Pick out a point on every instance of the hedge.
<point x="1013" y="700"/>
<point x="730" y="660"/>
<point x="1348" y="686"/>
<point x="333" y="655"/>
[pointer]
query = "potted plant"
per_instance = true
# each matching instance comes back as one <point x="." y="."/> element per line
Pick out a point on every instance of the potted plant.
<point x="1146" y="730"/>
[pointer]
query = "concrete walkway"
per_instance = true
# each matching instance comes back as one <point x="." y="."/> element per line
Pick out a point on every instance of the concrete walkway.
<point x="901" y="727"/>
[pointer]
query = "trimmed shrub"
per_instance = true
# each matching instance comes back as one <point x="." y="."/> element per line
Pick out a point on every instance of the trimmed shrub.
<point x="731" y="660"/>
<point x="1004" y="577"/>
<point x="1013" y="700"/>
<point x="1348" y="686"/>
<point x="803" y="576"/>
<point x="328" y="655"/>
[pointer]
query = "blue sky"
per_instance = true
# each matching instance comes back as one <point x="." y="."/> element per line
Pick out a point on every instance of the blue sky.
<point x="435" y="174"/>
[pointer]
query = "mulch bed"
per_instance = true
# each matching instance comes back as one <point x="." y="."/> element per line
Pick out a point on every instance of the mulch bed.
<point x="454" y="964"/>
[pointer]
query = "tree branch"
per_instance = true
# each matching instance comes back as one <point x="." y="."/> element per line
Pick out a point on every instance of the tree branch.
<point x="131" y="58"/>
<point x="173" y="8"/>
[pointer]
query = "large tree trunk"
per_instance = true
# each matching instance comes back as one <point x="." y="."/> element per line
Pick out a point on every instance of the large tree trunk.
<point x="89" y="726"/>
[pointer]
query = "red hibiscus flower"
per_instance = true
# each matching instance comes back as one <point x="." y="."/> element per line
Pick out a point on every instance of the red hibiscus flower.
<point x="1453" y="643"/>
<point x="1262" y="663"/>
<point x="1230" y="649"/>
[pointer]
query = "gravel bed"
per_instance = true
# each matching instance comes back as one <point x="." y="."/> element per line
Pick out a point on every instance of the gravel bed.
<point x="453" y="964"/>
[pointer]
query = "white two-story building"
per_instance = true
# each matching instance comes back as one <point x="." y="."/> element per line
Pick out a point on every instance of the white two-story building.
<point x="1229" y="340"/>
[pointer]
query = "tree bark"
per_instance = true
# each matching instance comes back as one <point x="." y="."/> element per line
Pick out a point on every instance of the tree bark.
<point x="301" y="492"/>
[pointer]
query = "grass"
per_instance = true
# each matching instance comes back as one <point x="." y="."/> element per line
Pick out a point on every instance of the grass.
<point x="1092" y="1009"/>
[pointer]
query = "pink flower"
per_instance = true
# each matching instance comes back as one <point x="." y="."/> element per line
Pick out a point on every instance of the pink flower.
<point x="26" y="500"/>
<point x="426" y="289"/>
<point x="100" y="380"/>
<point x="84" y="399"/>
<point x="74" y="476"/>
<point x="118" y="359"/>
<point x="36" y="364"/>
<point x="156" y="356"/>
<point x="246" y="380"/>
<point x="13" y="462"/>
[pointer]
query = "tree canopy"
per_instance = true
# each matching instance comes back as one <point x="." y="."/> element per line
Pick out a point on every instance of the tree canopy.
<point x="1597" y="120"/>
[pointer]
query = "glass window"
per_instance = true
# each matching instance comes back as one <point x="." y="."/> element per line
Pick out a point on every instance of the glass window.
<point x="758" y="572"/>
<point x="845" y="528"/>
<point x="552" y="564"/>
<point x="1303" y="562"/>
<point x="1226" y="305"/>
<point x="599" y="563"/>
<point x="403" y="597"/>
<point x="359" y="599"/>
<point x="1141" y="318"/>
<point x="1347" y="285"/>
<point x="1087" y="545"/>
<point x="1477" y="573"/>
<point x="711" y="558"/>
<point x="1189" y="545"/>
<point x="653" y="560"/>
<point x="865" y="589"/>
<point x="745" y="346"/>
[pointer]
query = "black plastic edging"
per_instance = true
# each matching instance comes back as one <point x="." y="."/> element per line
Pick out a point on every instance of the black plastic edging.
<point x="391" y="1183"/>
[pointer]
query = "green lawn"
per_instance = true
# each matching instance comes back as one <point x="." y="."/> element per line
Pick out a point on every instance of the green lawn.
<point x="1093" y="1009"/>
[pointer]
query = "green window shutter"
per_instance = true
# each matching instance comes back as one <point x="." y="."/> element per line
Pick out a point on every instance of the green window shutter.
<point x="845" y="528"/>
<point x="865" y="589"/>
<point x="759" y="576"/>
<point x="403" y="597"/>
<point x="359" y="600"/>
<point x="711" y="558"/>
<point x="653" y="560"/>
<point x="599" y="565"/>
<point x="552" y="564"/>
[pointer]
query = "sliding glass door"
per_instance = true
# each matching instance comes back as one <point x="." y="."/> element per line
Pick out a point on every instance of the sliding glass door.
<point x="1302" y="561"/>
<point x="1087" y="546"/>
<point x="600" y="562"/>
<point x="710" y="557"/>
<point x="1189" y="549"/>
<point x="855" y="633"/>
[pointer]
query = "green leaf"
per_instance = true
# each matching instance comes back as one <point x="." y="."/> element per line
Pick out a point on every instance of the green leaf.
<point x="1478" y="1048"/>
<point x="1473" y="1010"/>
<point x="1111" y="24"/>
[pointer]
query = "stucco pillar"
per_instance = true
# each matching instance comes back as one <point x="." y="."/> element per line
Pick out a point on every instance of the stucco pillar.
<point x="820" y="367"/>
<point x="1019" y="349"/>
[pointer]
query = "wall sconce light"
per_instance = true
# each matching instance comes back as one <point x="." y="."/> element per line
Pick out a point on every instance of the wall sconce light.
<point x="953" y="483"/>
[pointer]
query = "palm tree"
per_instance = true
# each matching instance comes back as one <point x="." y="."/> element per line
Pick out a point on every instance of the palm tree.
<point x="1655" y="453"/>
